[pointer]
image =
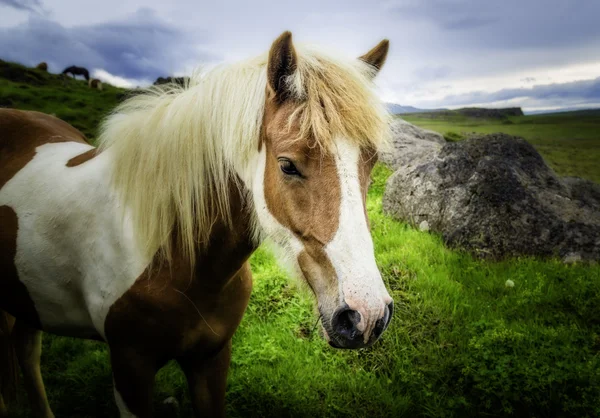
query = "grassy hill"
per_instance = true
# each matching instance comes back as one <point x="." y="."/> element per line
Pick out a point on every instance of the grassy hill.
<point x="569" y="141"/>
<point x="461" y="342"/>
<point x="68" y="99"/>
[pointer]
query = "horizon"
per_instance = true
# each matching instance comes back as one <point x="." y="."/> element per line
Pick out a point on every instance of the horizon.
<point x="535" y="54"/>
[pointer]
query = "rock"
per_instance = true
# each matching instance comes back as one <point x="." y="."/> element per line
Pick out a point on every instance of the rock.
<point x="411" y="145"/>
<point x="169" y="407"/>
<point x="571" y="258"/>
<point x="424" y="226"/>
<point x="495" y="196"/>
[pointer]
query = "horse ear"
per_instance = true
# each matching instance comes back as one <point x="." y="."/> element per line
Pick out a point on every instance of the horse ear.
<point x="376" y="56"/>
<point x="282" y="63"/>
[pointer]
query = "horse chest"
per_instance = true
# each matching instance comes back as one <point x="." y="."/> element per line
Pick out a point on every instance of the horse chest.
<point x="177" y="317"/>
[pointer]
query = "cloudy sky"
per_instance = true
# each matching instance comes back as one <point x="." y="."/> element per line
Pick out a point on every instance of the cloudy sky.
<point x="538" y="54"/>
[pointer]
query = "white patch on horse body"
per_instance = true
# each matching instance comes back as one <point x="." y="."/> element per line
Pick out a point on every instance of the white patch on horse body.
<point x="75" y="253"/>
<point x="124" y="412"/>
<point x="351" y="251"/>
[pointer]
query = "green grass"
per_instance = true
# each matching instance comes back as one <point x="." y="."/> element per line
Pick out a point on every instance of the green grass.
<point x="70" y="100"/>
<point x="461" y="343"/>
<point x="569" y="142"/>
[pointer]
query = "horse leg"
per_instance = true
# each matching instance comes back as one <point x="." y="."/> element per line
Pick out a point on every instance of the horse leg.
<point x="133" y="376"/>
<point x="8" y="361"/>
<point x="28" y="345"/>
<point x="207" y="381"/>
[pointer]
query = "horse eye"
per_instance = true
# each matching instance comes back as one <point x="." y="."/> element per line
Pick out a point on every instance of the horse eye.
<point x="288" y="167"/>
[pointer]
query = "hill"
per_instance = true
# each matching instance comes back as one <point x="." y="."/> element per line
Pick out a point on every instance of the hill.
<point x="397" y="109"/>
<point x="470" y="112"/>
<point x="68" y="99"/>
<point x="569" y="141"/>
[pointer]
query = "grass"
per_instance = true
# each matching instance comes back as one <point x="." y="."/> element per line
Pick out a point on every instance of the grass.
<point x="68" y="99"/>
<point x="460" y="344"/>
<point x="569" y="142"/>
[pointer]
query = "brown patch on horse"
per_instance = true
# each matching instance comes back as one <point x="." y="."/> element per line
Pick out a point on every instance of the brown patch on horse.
<point x="174" y="312"/>
<point x="22" y="132"/>
<point x="82" y="158"/>
<point x="14" y="297"/>
<point x="308" y="206"/>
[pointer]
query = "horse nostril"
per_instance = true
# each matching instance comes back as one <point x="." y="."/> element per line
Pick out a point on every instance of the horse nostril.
<point x="384" y="321"/>
<point x="344" y="323"/>
<point x="390" y="308"/>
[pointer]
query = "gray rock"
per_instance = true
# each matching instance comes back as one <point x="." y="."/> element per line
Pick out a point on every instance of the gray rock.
<point x="424" y="226"/>
<point x="411" y="145"/>
<point x="495" y="196"/>
<point x="571" y="258"/>
<point x="169" y="408"/>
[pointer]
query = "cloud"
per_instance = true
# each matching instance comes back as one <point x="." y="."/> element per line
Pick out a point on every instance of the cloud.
<point x="117" y="81"/>
<point x="139" y="47"/>
<point x="507" y="24"/>
<point x="34" y="6"/>
<point x="572" y="94"/>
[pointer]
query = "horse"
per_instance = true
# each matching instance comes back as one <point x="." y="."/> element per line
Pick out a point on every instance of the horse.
<point x="144" y="242"/>
<point x="74" y="71"/>
<point x="42" y="66"/>
<point x="95" y="84"/>
<point x="177" y="80"/>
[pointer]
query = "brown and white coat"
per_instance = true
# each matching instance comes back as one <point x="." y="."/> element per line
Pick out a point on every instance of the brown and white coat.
<point x="72" y="261"/>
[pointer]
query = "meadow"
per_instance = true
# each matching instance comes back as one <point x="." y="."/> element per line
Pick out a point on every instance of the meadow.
<point x="461" y="342"/>
<point x="569" y="142"/>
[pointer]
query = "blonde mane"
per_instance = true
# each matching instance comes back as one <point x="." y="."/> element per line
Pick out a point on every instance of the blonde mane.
<point x="176" y="150"/>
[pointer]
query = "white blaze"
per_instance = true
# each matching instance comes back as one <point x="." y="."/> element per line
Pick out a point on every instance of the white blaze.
<point x="351" y="251"/>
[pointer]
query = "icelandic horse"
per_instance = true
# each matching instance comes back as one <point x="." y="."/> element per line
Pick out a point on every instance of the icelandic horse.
<point x="75" y="71"/>
<point x="144" y="241"/>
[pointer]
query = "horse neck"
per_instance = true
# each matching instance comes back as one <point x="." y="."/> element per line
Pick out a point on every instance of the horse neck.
<point x="229" y="246"/>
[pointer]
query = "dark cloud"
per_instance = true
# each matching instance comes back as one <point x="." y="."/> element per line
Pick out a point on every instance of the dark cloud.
<point x="576" y="92"/>
<point x="35" y="6"/>
<point x="141" y="47"/>
<point x="510" y="23"/>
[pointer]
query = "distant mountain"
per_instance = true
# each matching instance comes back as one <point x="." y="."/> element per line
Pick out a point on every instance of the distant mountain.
<point x="562" y="110"/>
<point x="397" y="109"/>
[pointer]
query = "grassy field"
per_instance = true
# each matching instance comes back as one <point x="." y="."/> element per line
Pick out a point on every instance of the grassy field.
<point x="569" y="142"/>
<point x="70" y="100"/>
<point x="461" y="343"/>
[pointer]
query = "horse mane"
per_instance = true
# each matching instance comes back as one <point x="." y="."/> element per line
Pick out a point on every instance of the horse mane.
<point x="176" y="149"/>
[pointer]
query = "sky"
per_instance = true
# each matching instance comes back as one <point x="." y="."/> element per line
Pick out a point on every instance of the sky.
<point x="537" y="54"/>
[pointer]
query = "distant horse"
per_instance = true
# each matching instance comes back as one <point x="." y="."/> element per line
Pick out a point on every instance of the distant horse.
<point x="176" y="80"/>
<point x="144" y="242"/>
<point x="74" y="71"/>
<point x="42" y="66"/>
<point x="94" y="83"/>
